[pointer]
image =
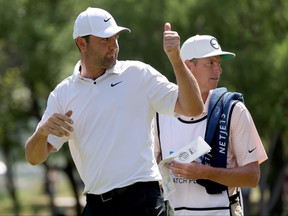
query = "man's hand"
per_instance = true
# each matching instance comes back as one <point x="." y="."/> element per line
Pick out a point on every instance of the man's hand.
<point x="58" y="125"/>
<point x="171" y="41"/>
<point x="37" y="148"/>
<point x="193" y="170"/>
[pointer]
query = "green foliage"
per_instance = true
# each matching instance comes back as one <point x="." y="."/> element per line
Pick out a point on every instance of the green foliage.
<point x="36" y="41"/>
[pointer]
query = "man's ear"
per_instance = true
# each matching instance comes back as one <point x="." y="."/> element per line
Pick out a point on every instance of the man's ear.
<point x="81" y="43"/>
<point x="189" y="64"/>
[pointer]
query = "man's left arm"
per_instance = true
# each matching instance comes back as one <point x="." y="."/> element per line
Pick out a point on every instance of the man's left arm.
<point x="189" y="100"/>
<point x="242" y="176"/>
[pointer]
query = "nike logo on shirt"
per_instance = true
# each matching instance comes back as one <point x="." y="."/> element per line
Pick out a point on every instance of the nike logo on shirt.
<point x="250" y="151"/>
<point x="114" y="84"/>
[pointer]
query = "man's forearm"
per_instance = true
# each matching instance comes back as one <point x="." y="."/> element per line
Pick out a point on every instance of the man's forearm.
<point x="37" y="149"/>
<point x="244" y="176"/>
<point x="189" y="96"/>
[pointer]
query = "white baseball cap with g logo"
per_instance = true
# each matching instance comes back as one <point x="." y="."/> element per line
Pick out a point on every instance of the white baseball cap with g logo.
<point x="202" y="46"/>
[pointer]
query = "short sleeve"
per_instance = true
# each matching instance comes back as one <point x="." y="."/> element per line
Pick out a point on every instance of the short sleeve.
<point x="162" y="94"/>
<point x="246" y="143"/>
<point x="53" y="107"/>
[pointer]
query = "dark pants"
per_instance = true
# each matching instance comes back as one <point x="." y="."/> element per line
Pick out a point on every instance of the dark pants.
<point x="139" y="199"/>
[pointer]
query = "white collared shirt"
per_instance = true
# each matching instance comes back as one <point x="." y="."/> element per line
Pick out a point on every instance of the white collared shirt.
<point x="112" y="142"/>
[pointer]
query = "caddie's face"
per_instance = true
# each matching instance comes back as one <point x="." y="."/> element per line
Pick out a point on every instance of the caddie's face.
<point x="207" y="72"/>
<point x="102" y="52"/>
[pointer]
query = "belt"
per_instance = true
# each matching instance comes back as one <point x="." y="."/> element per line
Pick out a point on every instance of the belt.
<point x="108" y="196"/>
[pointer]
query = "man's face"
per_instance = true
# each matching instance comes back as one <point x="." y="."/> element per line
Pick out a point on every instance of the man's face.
<point x="102" y="52"/>
<point x="207" y="72"/>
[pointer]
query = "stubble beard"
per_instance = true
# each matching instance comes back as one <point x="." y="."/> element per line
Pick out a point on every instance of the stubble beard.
<point x="110" y="61"/>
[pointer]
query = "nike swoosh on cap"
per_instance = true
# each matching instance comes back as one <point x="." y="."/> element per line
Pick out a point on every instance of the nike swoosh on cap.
<point x="106" y="20"/>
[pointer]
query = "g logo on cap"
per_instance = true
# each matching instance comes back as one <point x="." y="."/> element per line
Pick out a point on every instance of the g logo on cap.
<point x="214" y="43"/>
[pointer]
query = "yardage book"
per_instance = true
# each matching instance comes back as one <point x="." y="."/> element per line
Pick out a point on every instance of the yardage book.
<point x="187" y="154"/>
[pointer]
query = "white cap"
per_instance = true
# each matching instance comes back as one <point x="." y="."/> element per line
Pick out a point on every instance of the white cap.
<point x="97" y="22"/>
<point x="202" y="46"/>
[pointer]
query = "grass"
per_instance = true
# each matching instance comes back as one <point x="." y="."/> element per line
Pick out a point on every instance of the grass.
<point x="32" y="202"/>
<point x="32" y="197"/>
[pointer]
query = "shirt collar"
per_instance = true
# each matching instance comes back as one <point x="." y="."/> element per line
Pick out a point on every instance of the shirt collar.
<point x="114" y="69"/>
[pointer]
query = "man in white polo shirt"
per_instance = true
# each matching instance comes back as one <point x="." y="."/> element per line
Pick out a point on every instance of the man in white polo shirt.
<point x="208" y="188"/>
<point x="105" y="111"/>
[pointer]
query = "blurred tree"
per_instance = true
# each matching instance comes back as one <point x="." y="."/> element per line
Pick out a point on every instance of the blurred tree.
<point x="33" y="48"/>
